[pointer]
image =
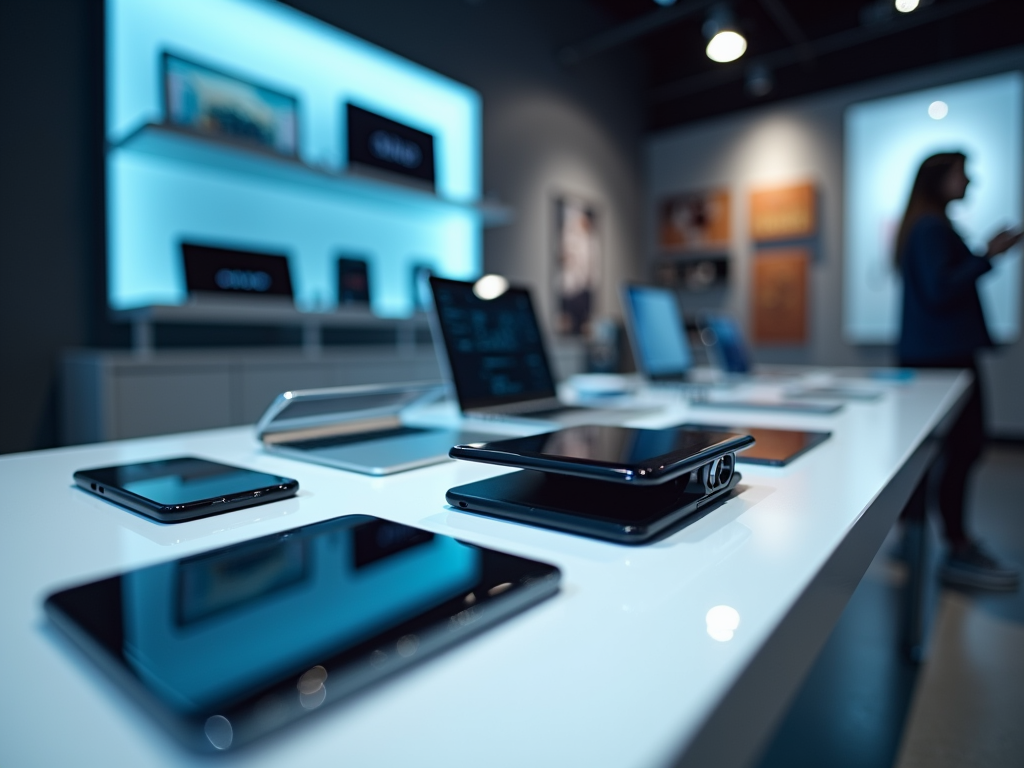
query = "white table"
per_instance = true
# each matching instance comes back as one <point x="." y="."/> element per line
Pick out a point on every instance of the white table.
<point x="619" y="669"/>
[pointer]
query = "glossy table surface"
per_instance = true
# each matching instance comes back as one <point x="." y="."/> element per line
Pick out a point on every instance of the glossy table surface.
<point x="623" y="667"/>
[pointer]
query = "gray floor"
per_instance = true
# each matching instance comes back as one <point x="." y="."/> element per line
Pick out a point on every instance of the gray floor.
<point x="969" y="704"/>
<point x="864" y="705"/>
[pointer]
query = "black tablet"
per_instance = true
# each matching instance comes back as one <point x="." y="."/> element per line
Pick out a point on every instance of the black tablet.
<point x="611" y="454"/>
<point x="184" y="488"/>
<point x="626" y="514"/>
<point x="228" y="645"/>
<point x="773" y="447"/>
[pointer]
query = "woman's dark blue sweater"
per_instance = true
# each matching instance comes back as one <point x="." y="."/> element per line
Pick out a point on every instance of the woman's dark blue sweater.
<point x="942" y="317"/>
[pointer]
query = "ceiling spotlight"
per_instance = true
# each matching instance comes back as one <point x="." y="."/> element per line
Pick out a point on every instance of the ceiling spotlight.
<point x="938" y="110"/>
<point x="725" y="43"/>
<point x="665" y="2"/>
<point x="906" y="6"/>
<point x="759" y="80"/>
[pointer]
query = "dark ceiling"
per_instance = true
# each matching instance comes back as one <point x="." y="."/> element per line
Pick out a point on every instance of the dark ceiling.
<point x="805" y="45"/>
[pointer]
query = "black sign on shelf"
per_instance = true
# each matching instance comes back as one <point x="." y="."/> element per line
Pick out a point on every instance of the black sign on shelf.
<point x="353" y="282"/>
<point x="209" y="269"/>
<point x="379" y="143"/>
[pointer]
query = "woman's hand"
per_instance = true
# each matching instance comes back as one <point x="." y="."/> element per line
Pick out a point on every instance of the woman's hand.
<point x="1003" y="242"/>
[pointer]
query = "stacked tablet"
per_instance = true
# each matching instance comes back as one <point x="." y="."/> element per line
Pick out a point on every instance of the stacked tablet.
<point x="616" y="483"/>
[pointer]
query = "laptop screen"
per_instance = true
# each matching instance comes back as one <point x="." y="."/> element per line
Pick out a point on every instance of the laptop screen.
<point x="659" y="338"/>
<point x="728" y="349"/>
<point x="494" y="346"/>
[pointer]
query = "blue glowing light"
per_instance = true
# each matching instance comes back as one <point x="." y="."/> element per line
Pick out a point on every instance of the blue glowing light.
<point x="155" y="202"/>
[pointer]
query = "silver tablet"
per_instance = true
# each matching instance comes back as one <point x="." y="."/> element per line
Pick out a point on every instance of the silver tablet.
<point x="360" y="428"/>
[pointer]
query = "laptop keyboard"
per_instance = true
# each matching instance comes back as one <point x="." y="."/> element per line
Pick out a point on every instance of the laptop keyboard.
<point x="555" y="411"/>
<point x="337" y="440"/>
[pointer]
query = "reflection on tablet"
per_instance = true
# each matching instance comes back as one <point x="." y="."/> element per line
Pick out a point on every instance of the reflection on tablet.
<point x="225" y="646"/>
<point x="772" y="447"/>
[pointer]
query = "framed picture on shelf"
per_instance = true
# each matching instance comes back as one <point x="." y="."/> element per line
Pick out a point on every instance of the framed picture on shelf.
<point x="212" y="103"/>
<point x="578" y="262"/>
<point x="695" y="221"/>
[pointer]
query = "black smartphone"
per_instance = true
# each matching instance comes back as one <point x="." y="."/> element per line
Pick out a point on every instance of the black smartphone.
<point x="616" y="454"/>
<point x="184" y="488"/>
<point x="626" y="514"/>
<point x="228" y="645"/>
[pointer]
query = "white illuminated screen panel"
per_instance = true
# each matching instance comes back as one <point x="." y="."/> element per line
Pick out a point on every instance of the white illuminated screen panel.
<point x="886" y="140"/>
<point x="154" y="202"/>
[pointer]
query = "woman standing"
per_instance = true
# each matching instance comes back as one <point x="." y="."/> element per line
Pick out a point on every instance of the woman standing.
<point x="944" y="327"/>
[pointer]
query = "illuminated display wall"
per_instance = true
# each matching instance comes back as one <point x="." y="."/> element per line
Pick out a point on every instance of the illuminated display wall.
<point x="157" y="197"/>
<point x="886" y="140"/>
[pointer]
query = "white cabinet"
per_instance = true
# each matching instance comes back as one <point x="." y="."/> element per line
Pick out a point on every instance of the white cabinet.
<point x="112" y="395"/>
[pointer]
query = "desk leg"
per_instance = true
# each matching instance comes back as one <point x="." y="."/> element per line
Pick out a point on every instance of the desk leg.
<point x="915" y="548"/>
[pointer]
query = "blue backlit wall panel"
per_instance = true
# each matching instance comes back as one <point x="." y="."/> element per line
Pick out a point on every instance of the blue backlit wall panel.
<point x="886" y="140"/>
<point x="160" y="202"/>
<point x="155" y="202"/>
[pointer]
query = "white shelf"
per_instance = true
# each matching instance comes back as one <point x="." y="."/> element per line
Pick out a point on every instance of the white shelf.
<point x="244" y="311"/>
<point x="255" y="312"/>
<point x="183" y="146"/>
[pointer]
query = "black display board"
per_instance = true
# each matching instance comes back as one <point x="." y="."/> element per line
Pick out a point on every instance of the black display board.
<point x="210" y="269"/>
<point x="384" y="144"/>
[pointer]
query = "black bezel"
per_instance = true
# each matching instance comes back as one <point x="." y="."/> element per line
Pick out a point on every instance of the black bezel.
<point x="97" y="481"/>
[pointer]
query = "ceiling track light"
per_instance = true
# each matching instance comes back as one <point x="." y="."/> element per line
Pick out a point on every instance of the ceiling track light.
<point x="725" y="43"/>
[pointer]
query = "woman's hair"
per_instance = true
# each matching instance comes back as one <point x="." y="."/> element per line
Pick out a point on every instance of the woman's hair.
<point x="928" y="195"/>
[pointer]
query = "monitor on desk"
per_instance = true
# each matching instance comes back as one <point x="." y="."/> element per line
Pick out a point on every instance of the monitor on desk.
<point x="656" y="332"/>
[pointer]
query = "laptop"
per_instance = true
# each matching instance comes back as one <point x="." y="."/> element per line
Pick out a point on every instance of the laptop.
<point x="657" y="333"/>
<point x="363" y="428"/>
<point x="662" y="353"/>
<point x="724" y="343"/>
<point x="727" y="350"/>
<point x="494" y="352"/>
